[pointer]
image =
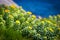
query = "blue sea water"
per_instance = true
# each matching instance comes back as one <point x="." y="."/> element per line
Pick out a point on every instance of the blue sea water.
<point x="42" y="8"/>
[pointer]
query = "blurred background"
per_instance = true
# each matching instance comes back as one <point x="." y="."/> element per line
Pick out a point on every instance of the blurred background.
<point x="42" y="8"/>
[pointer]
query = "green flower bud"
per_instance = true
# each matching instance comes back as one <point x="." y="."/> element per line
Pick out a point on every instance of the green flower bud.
<point x="21" y="14"/>
<point x="22" y="19"/>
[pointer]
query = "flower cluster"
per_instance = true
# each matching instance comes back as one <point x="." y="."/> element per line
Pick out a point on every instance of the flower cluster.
<point x="17" y="24"/>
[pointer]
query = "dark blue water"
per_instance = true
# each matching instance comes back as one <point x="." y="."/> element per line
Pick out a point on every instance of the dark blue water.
<point x="42" y="8"/>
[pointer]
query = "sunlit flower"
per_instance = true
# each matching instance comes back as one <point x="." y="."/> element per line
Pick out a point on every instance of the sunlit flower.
<point x="49" y="21"/>
<point x="51" y="29"/>
<point x="13" y="6"/>
<point x="55" y="16"/>
<point x="30" y="27"/>
<point x="33" y="22"/>
<point x="29" y="13"/>
<point x="6" y="10"/>
<point x="17" y="22"/>
<point x="27" y="22"/>
<point x="10" y="16"/>
<point x="33" y="16"/>
<point x="58" y="28"/>
<point x="42" y="22"/>
<point x="55" y="24"/>
<point x="45" y="36"/>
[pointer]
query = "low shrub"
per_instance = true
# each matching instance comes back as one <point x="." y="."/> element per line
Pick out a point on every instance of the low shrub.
<point x="17" y="24"/>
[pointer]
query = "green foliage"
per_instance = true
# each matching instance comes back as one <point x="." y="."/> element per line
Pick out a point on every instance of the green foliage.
<point x="17" y="24"/>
